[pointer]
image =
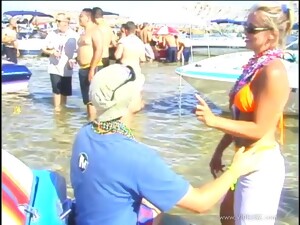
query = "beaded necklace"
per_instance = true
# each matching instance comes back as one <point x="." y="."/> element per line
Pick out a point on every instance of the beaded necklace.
<point x="114" y="126"/>
<point x="254" y="64"/>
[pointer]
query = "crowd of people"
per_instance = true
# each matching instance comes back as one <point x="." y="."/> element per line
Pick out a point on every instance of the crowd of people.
<point x="92" y="49"/>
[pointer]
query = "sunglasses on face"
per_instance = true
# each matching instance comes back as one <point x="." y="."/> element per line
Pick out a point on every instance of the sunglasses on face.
<point x="131" y="77"/>
<point x="59" y="21"/>
<point x="250" y="29"/>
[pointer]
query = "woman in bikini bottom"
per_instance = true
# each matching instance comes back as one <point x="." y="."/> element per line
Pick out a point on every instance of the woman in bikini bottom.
<point x="257" y="101"/>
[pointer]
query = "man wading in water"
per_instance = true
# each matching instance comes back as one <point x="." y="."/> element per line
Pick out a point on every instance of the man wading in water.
<point x="89" y="57"/>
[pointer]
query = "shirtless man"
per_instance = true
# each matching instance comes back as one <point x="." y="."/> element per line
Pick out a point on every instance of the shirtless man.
<point x="9" y="39"/>
<point x="89" y="56"/>
<point x="146" y="36"/>
<point x="170" y="42"/>
<point x="107" y="34"/>
<point x="184" y="49"/>
<point x="131" y="50"/>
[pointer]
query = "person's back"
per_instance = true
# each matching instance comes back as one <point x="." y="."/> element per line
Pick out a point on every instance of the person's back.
<point x="107" y="37"/>
<point x="170" y="41"/>
<point x="131" y="49"/>
<point x="109" y="178"/>
<point x="107" y="34"/>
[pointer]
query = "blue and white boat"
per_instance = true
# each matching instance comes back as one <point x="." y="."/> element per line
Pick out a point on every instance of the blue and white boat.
<point x="32" y="197"/>
<point x="216" y="75"/>
<point x="30" y="41"/>
<point x="15" y="77"/>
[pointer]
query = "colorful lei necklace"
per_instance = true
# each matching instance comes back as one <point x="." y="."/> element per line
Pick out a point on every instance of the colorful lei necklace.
<point x="114" y="126"/>
<point x="254" y="63"/>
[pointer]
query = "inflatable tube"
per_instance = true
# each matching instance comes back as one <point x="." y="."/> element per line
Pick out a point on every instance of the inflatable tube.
<point x="32" y="197"/>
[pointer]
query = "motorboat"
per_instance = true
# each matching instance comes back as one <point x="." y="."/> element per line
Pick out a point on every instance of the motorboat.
<point x="217" y="43"/>
<point x="32" y="196"/>
<point x="215" y="76"/>
<point x="30" y="39"/>
<point x="15" y="77"/>
<point x="31" y="46"/>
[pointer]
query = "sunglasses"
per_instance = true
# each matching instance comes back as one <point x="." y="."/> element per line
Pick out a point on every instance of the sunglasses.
<point x="131" y="77"/>
<point x="250" y="29"/>
<point x="59" y="21"/>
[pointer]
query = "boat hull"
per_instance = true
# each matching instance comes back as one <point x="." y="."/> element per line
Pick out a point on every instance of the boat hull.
<point x="28" y="52"/>
<point x="215" y="50"/>
<point x="217" y="92"/>
<point x="215" y="76"/>
<point x="14" y="87"/>
<point x="15" y="78"/>
<point x="31" y="47"/>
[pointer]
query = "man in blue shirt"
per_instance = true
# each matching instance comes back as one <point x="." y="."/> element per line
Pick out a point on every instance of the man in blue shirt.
<point x="116" y="179"/>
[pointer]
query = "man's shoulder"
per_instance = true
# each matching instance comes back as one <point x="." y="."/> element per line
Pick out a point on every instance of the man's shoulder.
<point x="138" y="39"/>
<point x="123" y="40"/>
<point x="82" y="132"/>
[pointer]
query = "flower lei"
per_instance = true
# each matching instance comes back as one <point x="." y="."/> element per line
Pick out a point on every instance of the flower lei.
<point x="114" y="126"/>
<point x="254" y="64"/>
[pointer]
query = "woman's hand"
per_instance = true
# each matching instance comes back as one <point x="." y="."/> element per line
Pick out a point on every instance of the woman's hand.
<point x="216" y="165"/>
<point x="245" y="162"/>
<point x="203" y="112"/>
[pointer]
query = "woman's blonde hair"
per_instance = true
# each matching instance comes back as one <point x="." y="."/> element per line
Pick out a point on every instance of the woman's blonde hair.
<point x="278" y="17"/>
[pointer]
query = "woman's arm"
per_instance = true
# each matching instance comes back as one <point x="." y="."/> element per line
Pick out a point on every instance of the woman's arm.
<point x="224" y="143"/>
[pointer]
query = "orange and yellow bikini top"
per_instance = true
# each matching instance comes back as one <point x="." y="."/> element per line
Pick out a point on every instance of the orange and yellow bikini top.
<point x="244" y="102"/>
<point x="243" y="99"/>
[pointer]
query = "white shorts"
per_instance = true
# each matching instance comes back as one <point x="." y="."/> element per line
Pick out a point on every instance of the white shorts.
<point x="257" y="195"/>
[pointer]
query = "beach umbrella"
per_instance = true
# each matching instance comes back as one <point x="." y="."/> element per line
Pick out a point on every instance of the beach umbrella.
<point x="166" y="30"/>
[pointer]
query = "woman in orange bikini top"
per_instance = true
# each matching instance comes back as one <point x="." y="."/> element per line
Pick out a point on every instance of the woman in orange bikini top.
<point x="241" y="95"/>
<point x="255" y="116"/>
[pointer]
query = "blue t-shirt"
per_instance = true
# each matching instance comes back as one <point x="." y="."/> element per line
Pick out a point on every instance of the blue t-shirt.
<point x="110" y="174"/>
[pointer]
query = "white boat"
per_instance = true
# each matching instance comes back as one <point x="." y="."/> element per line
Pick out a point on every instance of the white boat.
<point x="215" y="76"/>
<point x="219" y="43"/>
<point x="216" y="44"/>
<point x="31" y="46"/>
<point x="30" y="40"/>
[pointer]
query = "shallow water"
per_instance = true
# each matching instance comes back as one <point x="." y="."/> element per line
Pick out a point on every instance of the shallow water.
<point x="43" y="139"/>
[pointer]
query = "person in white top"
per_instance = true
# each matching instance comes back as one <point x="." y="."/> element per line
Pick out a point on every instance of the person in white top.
<point x="61" y="45"/>
<point x="131" y="49"/>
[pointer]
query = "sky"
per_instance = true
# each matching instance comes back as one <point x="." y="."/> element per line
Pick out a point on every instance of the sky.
<point x="141" y="11"/>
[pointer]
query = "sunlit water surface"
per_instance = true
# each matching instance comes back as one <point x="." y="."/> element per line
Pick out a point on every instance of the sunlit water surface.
<point x="43" y="139"/>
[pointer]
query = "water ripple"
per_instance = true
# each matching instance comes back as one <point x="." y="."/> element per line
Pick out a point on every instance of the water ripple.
<point x="43" y="139"/>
